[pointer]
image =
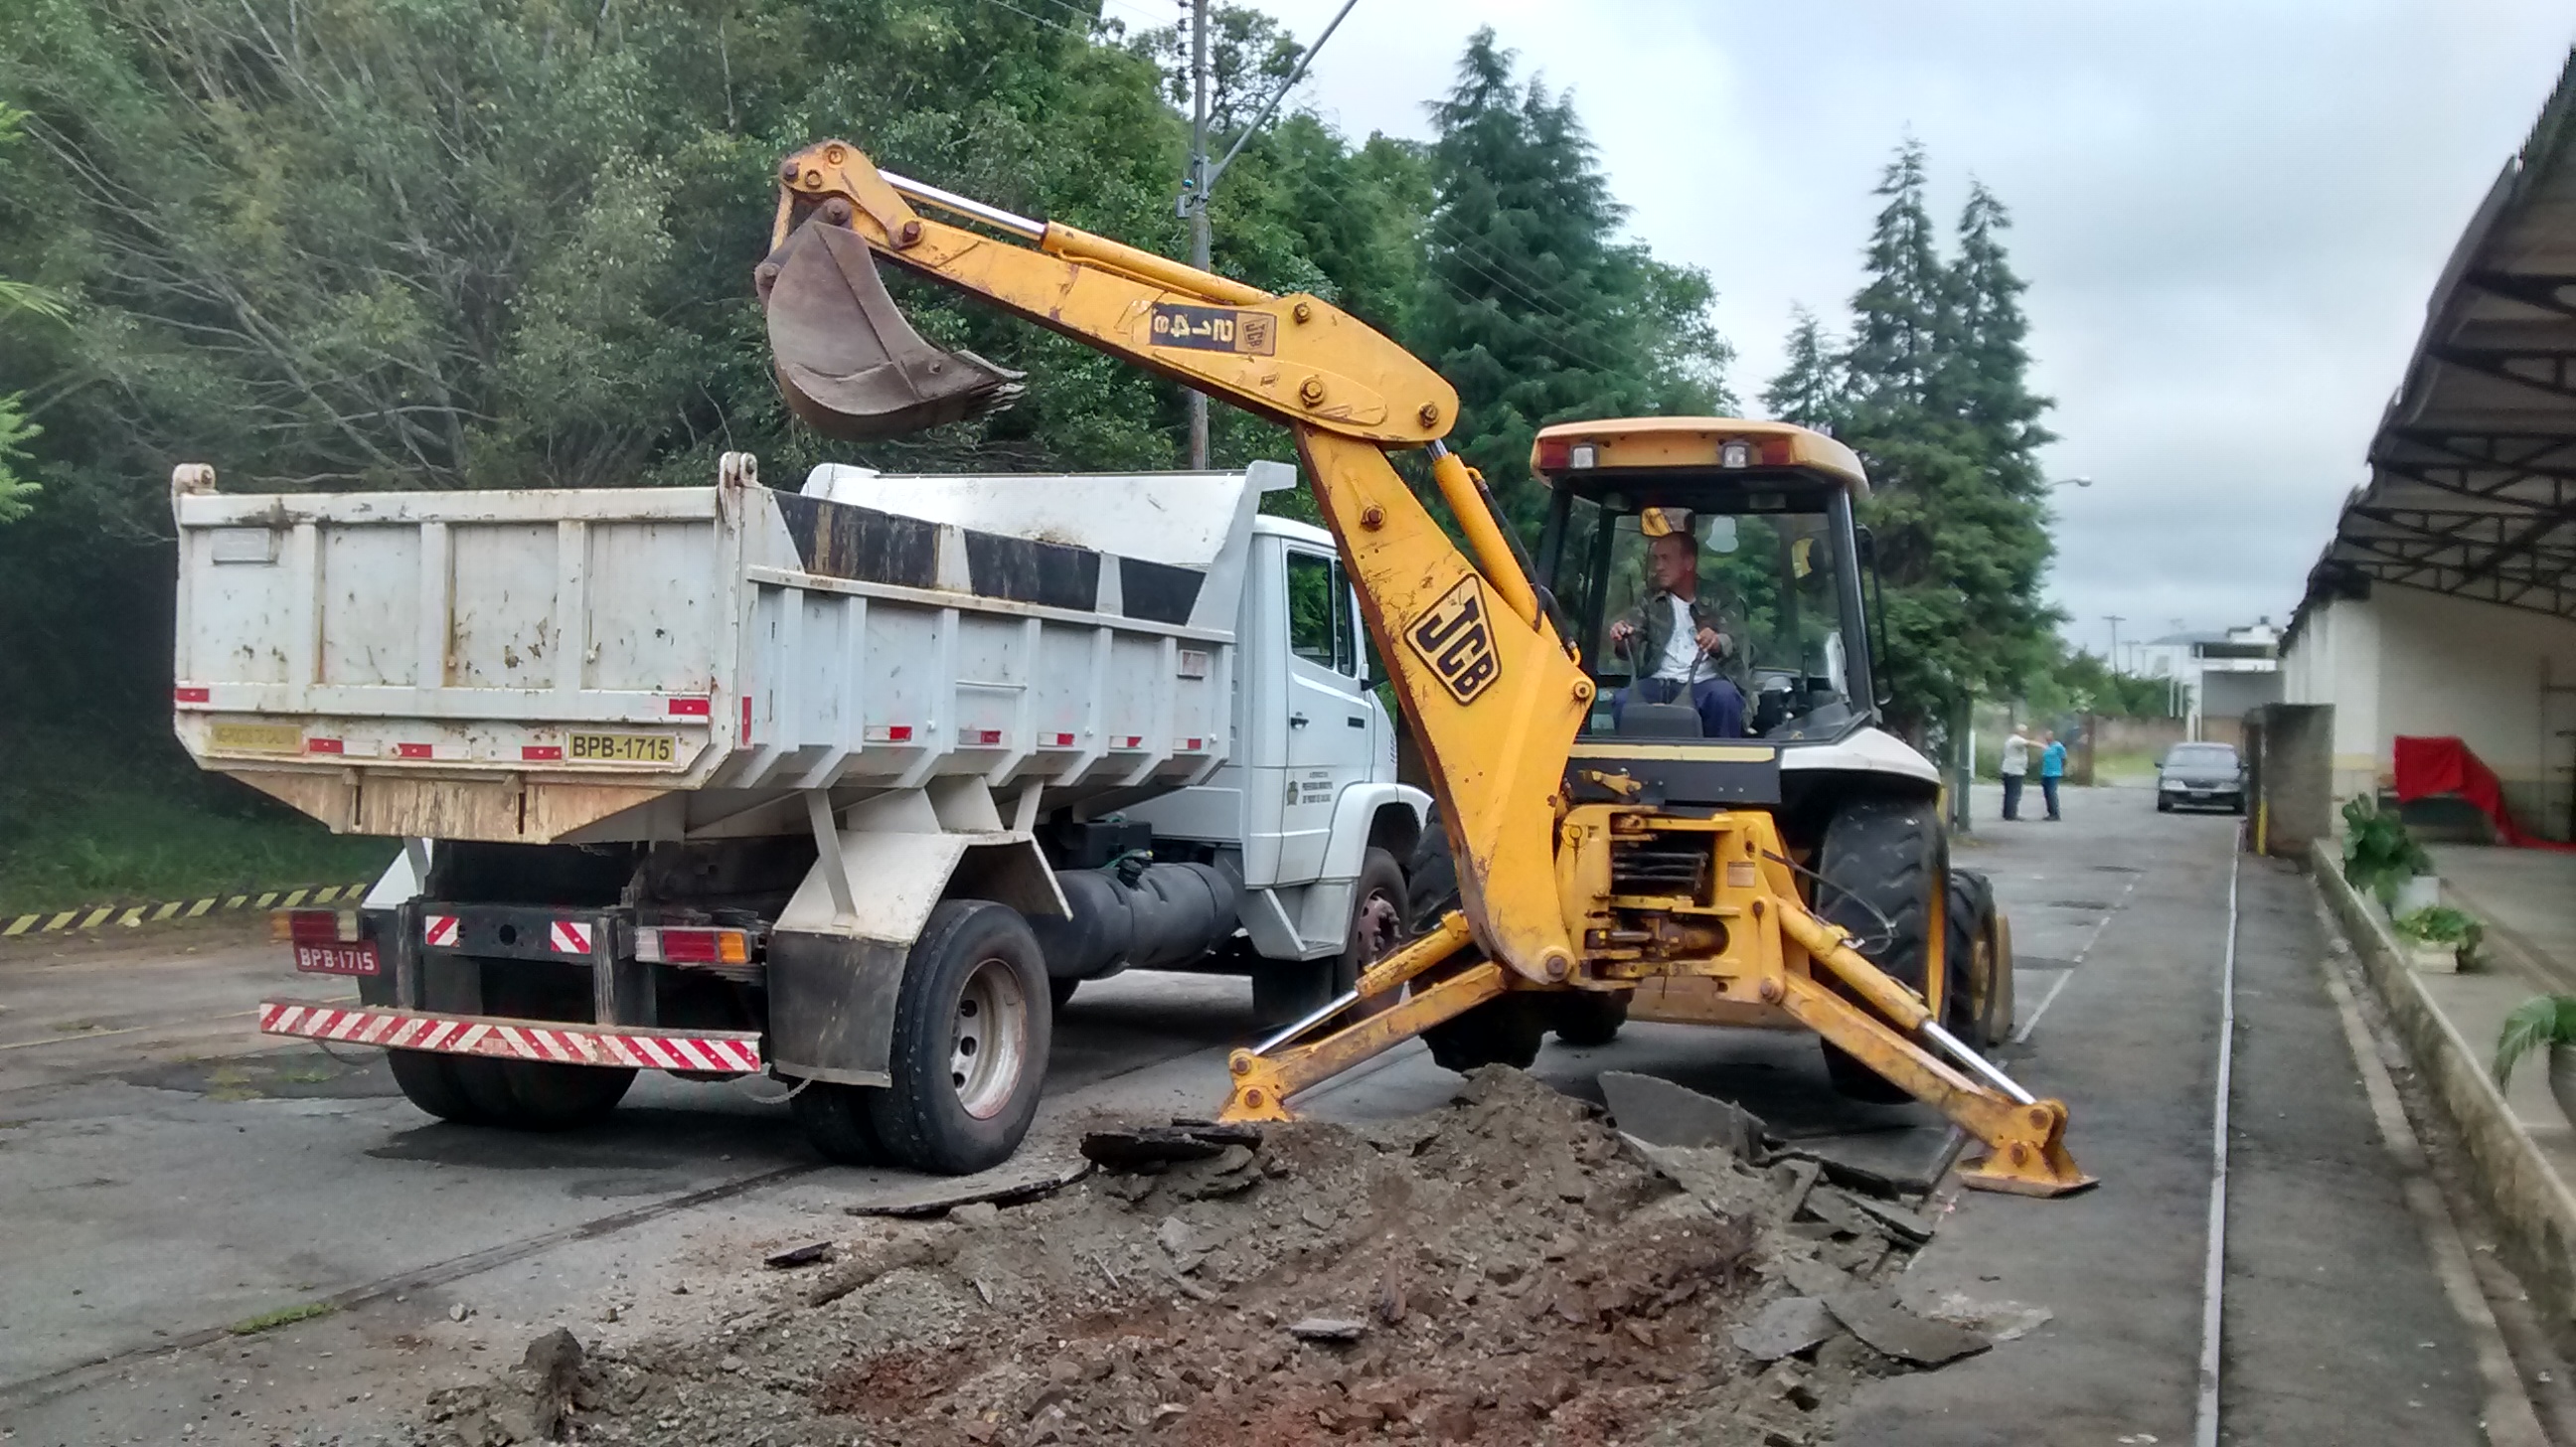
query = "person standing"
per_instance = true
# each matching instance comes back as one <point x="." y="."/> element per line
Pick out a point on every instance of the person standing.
<point x="2052" y="767"/>
<point x="2016" y="762"/>
<point x="1675" y="640"/>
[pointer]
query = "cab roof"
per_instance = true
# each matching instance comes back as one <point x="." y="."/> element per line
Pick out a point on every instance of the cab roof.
<point x="1635" y="450"/>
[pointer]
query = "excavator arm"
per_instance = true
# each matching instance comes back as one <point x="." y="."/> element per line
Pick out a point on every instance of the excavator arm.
<point x="1493" y="696"/>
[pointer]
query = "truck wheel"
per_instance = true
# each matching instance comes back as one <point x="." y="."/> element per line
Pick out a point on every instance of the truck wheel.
<point x="1292" y="990"/>
<point x="837" y="1122"/>
<point x="1505" y="1031"/>
<point x="428" y="1080"/>
<point x="971" y="1025"/>
<point x="549" y="1097"/>
<point x="1880" y="861"/>
<point x="1588" y="1019"/>
<point x="1980" y="1008"/>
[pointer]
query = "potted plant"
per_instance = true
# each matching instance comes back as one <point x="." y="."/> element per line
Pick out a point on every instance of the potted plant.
<point x="2544" y="1020"/>
<point x="2382" y="860"/>
<point x="2441" y="939"/>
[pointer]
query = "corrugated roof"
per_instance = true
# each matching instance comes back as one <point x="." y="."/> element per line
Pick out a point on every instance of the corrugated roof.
<point x="2472" y="487"/>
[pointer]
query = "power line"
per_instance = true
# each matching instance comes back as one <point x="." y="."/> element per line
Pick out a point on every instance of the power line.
<point x="1082" y="35"/>
<point x="1492" y="269"/>
<point x="1536" y="293"/>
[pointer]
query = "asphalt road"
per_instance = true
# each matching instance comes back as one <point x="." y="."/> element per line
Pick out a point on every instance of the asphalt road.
<point x="169" y="1179"/>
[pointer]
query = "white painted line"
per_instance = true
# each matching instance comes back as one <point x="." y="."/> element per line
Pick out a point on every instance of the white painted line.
<point x="2509" y="1419"/>
<point x="2213" y="1270"/>
<point x="2022" y="1035"/>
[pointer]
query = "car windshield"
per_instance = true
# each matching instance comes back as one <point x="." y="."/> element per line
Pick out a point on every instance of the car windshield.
<point x="2202" y="757"/>
<point x="1740" y="616"/>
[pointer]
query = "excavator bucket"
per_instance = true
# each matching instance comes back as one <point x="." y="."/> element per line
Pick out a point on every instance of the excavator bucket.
<point x="847" y="360"/>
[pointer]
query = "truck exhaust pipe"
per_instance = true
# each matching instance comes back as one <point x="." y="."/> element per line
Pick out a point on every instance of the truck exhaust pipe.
<point x="847" y="361"/>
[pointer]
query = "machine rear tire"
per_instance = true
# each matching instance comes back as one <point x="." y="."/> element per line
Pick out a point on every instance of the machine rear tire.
<point x="1587" y="1020"/>
<point x="428" y="1080"/>
<point x="1504" y="1031"/>
<point x="530" y="1095"/>
<point x="1882" y="858"/>
<point x="1291" y="990"/>
<point x="837" y="1122"/>
<point x="972" y="1022"/>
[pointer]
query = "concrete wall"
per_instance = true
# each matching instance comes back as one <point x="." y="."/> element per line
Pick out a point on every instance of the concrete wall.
<point x="2227" y="697"/>
<point x="2410" y="662"/>
<point x="2290" y="748"/>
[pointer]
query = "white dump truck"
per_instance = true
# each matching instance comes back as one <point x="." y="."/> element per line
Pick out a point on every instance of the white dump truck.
<point x="851" y="785"/>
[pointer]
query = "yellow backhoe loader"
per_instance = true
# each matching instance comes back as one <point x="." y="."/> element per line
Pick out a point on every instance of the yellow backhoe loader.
<point x="1715" y="834"/>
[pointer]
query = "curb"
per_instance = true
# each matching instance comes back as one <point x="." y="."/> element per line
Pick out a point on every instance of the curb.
<point x="134" y="916"/>
<point x="2534" y="1207"/>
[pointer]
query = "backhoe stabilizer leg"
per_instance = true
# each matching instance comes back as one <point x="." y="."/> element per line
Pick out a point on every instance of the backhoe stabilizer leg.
<point x="1265" y="1079"/>
<point x="2025" y="1144"/>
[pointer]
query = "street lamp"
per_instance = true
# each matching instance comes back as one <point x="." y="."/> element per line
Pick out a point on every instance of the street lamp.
<point x="2070" y="482"/>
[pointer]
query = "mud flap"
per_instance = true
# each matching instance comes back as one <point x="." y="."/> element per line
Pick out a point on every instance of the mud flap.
<point x="847" y="360"/>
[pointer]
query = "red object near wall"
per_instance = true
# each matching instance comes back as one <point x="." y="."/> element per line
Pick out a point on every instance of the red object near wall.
<point x="2427" y="767"/>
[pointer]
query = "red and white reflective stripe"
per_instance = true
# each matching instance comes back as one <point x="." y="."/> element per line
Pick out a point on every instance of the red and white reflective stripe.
<point x="192" y="693"/>
<point x="980" y="738"/>
<point x="1061" y="741"/>
<point x="887" y="734"/>
<point x="691" y="707"/>
<point x="511" y="1039"/>
<point x="1131" y="741"/>
<point x="439" y="931"/>
<point x="569" y="937"/>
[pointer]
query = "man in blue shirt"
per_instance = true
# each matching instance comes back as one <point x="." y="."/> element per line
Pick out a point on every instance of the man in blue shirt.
<point x="2052" y="767"/>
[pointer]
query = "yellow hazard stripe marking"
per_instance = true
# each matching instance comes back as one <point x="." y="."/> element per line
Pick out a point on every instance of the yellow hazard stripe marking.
<point x="88" y="917"/>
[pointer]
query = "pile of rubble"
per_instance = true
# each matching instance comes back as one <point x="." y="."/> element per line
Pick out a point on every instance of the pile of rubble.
<point x="1511" y="1269"/>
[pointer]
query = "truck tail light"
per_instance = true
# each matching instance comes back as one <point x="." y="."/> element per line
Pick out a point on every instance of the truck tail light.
<point x="313" y="926"/>
<point x="667" y="946"/>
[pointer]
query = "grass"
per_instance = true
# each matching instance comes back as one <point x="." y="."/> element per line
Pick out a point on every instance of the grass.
<point x="283" y="1316"/>
<point x="91" y="820"/>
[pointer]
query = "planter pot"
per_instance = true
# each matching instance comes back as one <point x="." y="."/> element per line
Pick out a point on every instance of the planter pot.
<point x="2432" y="957"/>
<point x="2423" y="891"/>
<point x="2562" y="1079"/>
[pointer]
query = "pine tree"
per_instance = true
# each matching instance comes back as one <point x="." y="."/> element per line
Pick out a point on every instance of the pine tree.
<point x="1941" y="413"/>
<point x="1533" y="309"/>
<point x="1812" y="389"/>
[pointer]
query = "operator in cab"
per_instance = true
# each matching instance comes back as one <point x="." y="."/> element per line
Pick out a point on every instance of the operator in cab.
<point x="1676" y="640"/>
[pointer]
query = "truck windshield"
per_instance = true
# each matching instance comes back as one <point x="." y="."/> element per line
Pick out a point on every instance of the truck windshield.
<point x="1739" y="615"/>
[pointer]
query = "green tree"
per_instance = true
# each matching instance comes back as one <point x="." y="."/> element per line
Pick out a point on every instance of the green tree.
<point x="1812" y="388"/>
<point x="1939" y="409"/>
<point x="1534" y="308"/>
<point x="18" y="299"/>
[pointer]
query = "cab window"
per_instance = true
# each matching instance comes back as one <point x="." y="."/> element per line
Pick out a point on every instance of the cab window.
<point x="1319" y="612"/>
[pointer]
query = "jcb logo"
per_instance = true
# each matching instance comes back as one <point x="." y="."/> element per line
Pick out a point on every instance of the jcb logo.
<point x="1455" y="639"/>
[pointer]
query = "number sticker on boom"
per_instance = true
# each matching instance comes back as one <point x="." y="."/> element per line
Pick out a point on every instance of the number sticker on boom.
<point x="1456" y="640"/>
<point x="1215" y="329"/>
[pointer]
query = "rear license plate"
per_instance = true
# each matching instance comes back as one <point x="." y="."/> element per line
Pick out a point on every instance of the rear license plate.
<point x="357" y="959"/>
<point x="621" y="748"/>
<point x="250" y="738"/>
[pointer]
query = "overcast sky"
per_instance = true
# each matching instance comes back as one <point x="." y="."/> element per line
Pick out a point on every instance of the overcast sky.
<point x="2230" y="214"/>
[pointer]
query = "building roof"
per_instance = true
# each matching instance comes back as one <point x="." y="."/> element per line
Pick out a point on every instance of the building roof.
<point x="2472" y="488"/>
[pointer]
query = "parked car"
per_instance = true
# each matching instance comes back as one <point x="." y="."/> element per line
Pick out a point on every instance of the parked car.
<point x="2201" y="774"/>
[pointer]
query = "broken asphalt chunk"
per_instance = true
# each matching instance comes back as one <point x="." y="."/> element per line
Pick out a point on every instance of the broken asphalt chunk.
<point x="1661" y="1113"/>
<point x="1891" y="1330"/>
<point x="1146" y="1147"/>
<point x="1784" y="1328"/>
<point x="1328" y="1329"/>
<point x="798" y="1256"/>
<point x="1005" y="1185"/>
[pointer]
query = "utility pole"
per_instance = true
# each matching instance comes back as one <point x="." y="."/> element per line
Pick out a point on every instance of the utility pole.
<point x="2115" y="621"/>
<point x="1199" y="185"/>
<point x="1194" y="196"/>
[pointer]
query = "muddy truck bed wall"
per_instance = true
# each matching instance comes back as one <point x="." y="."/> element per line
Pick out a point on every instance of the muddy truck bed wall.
<point x="678" y="663"/>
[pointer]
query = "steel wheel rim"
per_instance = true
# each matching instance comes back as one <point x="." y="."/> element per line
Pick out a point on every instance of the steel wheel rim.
<point x="988" y="1038"/>
<point x="1981" y="977"/>
<point x="1377" y="926"/>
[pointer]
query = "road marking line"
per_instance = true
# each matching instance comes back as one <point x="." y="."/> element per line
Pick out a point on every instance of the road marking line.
<point x="2510" y="1419"/>
<point x="2213" y="1267"/>
<point x="2022" y="1035"/>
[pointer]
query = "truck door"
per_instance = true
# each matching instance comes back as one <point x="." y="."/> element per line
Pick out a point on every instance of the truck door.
<point x="1329" y="740"/>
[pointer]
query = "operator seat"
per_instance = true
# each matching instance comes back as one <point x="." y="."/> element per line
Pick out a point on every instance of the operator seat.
<point x="1659" y="721"/>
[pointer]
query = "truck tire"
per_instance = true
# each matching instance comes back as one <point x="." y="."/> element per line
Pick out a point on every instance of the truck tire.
<point x="838" y="1123"/>
<point x="1980" y="1008"/>
<point x="1505" y="1031"/>
<point x="971" y="1024"/>
<point x="1880" y="861"/>
<point x="428" y="1080"/>
<point x="1290" y="990"/>
<point x="533" y="1095"/>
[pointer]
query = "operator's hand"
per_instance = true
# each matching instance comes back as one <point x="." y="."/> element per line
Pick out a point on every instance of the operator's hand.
<point x="1620" y="633"/>
<point x="1713" y="643"/>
